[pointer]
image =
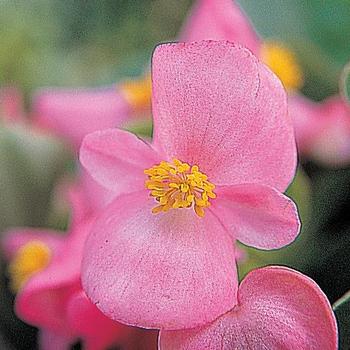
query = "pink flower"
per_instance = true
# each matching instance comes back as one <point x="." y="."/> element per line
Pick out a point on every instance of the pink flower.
<point x="72" y="114"/>
<point x="45" y="267"/>
<point x="11" y="105"/>
<point x="223" y="151"/>
<point x="278" y="308"/>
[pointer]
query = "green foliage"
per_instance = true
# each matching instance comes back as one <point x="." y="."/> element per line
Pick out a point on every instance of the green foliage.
<point x="342" y="312"/>
<point x="345" y="83"/>
<point x="30" y="164"/>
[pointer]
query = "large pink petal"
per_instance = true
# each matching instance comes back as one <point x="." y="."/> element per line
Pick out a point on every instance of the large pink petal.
<point x="97" y="331"/>
<point x="257" y="215"/>
<point x="172" y="270"/>
<point x="220" y="20"/>
<point x="216" y="106"/>
<point x="117" y="159"/>
<point x="278" y="309"/>
<point x="73" y="114"/>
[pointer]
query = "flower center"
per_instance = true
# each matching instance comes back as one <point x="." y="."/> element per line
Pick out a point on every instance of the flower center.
<point x="138" y="92"/>
<point x="179" y="185"/>
<point x="29" y="259"/>
<point x="283" y="63"/>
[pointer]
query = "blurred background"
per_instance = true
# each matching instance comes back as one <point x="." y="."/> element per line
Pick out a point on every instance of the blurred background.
<point x="46" y="43"/>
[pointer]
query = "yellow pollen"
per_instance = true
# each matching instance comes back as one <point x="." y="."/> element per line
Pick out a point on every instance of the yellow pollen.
<point x="179" y="185"/>
<point x="29" y="259"/>
<point x="283" y="63"/>
<point x="138" y="92"/>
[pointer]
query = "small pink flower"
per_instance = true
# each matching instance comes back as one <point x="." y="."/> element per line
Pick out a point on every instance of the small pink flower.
<point x="278" y="308"/>
<point x="222" y="115"/>
<point x="72" y="114"/>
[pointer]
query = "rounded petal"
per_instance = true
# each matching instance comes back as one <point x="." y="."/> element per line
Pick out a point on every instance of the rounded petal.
<point x="257" y="215"/>
<point x="215" y="105"/>
<point x="278" y="309"/>
<point x="220" y="20"/>
<point x="73" y="114"/>
<point x="116" y="159"/>
<point x="171" y="270"/>
<point x="96" y="330"/>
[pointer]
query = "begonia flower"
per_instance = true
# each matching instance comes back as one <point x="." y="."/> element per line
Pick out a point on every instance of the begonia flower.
<point x="162" y="254"/>
<point x="45" y="268"/>
<point x="278" y="308"/>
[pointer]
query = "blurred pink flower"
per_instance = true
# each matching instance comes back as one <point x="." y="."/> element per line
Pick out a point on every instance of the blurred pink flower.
<point x="322" y="129"/>
<point x="177" y="269"/>
<point x="278" y="308"/>
<point x="50" y="296"/>
<point x="11" y="105"/>
<point x="72" y="114"/>
<point x="220" y="20"/>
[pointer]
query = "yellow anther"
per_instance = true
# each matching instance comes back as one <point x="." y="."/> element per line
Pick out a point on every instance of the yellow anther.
<point x="29" y="259"/>
<point x="138" y="92"/>
<point x="178" y="185"/>
<point x="283" y="63"/>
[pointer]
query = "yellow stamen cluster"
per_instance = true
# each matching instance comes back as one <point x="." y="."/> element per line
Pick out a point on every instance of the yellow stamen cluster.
<point x="283" y="63"/>
<point x="179" y="185"/>
<point x="29" y="259"/>
<point x="138" y="92"/>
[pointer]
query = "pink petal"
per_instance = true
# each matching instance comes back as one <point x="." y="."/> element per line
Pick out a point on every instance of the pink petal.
<point x="73" y="114"/>
<point x="257" y="215"/>
<point x="95" y="195"/>
<point x="15" y="238"/>
<point x="216" y="106"/>
<point x="279" y="309"/>
<point x="172" y="270"/>
<point x="96" y="330"/>
<point x="49" y="340"/>
<point x="220" y="20"/>
<point x="117" y="159"/>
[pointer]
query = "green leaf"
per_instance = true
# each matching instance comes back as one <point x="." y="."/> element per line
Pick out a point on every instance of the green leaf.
<point x="342" y="312"/>
<point x="345" y="83"/>
<point x="30" y="165"/>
